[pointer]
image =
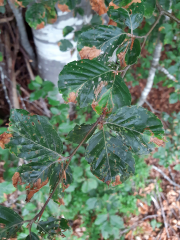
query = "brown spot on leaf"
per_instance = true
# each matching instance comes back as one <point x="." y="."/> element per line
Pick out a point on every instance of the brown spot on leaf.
<point x="61" y="201"/>
<point x="99" y="88"/>
<point x="133" y="1"/>
<point x="72" y="98"/>
<point x="63" y="7"/>
<point x="157" y="141"/>
<point x="40" y="26"/>
<point x="113" y="5"/>
<point x="19" y="3"/>
<point x="52" y="20"/>
<point x="4" y="139"/>
<point x="89" y="53"/>
<point x="117" y="181"/>
<point x="111" y="22"/>
<point x="98" y="6"/>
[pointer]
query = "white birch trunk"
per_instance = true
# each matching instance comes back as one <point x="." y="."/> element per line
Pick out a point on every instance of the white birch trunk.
<point x="152" y="71"/>
<point x="50" y="59"/>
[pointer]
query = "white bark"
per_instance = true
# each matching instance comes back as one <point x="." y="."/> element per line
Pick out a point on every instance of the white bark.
<point x="168" y="75"/>
<point x="50" y="59"/>
<point x="22" y="31"/>
<point x="150" y="79"/>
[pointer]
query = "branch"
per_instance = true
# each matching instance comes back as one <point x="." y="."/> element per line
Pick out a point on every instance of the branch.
<point x="4" y="20"/>
<point x="165" y="71"/>
<point x="160" y="9"/>
<point x="61" y="178"/>
<point x="150" y="79"/>
<point x="165" y="176"/>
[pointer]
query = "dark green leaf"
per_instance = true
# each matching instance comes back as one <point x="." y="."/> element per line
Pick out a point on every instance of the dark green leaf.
<point x="149" y="6"/>
<point x="108" y="157"/>
<point x="53" y="226"/>
<point x="91" y="79"/>
<point x="67" y="30"/>
<point x="33" y="236"/>
<point x="121" y="15"/>
<point x="131" y="124"/>
<point x="12" y="222"/>
<point x="36" y="14"/>
<point x="79" y="132"/>
<point x="1" y="57"/>
<point x="106" y="38"/>
<point x="174" y="97"/>
<point x="34" y="138"/>
<point x="65" y="45"/>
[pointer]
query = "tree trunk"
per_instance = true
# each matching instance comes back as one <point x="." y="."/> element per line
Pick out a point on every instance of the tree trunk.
<point x="50" y="59"/>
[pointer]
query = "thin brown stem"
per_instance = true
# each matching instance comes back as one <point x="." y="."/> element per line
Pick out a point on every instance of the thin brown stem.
<point x="61" y="178"/>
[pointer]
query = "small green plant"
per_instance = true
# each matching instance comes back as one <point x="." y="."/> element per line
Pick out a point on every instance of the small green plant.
<point x="119" y="132"/>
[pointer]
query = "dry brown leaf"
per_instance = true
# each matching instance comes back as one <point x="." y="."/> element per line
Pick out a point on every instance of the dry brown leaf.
<point x="142" y="207"/>
<point x="89" y="53"/>
<point x="1" y="3"/>
<point x="98" y="6"/>
<point x="99" y="88"/>
<point x="4" y="139"/>
<point x="40" y="26"/>
<point x="35" y="188"/>
<point x="72" y="98"/>
<point x="16" y="179"/>
<point x="61" y="201"/>
<point x="63" y="7"/>
<point x="111" y="22"/>
<point x="157" y="141"/>
<point x="117" y="181"/>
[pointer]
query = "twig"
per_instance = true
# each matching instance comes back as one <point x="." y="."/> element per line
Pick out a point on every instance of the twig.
<point x="162" y="211"/>
<point x="150" y="79"/>
<point x="7" y="19"/>
<point x="167" y="13"/>
<point x="165" y="71"/>
<point x="60" y="179"/>
<point x="150" y="106"/>
<point x="165" y="176"/>
<point x="11" y="74"/>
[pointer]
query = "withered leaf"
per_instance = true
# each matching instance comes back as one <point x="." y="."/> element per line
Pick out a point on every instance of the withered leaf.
<point x="111" y="4"/>
<point x="63" y="7"/>
<point x="40" y="26"/>
<point x="113" y="23"/>
<point x="89" y="53"/>
<point x="98" y="6"/>
<point x="16" y="179"/>
<point x="117" y="181"/>
<point x="35" y="188"/>
<point x="157" y="141"/>
<point x="4" y="139"/>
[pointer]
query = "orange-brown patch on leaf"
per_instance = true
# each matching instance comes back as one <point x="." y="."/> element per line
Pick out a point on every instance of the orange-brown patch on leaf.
<point x="93" y="105"/>
<point x="117" y="181"/>
<point x="113" y="5"/>
<point x="89" y="53"/>
<point x="4" y="139"/>
<point x="157" y="141"/>
<point x="121" y="57"/>
<point x="19" y="3"/>
<point x="132" y="43"/>
<point x="61" y="201"/>
<point x="35" y="188"/>
<point x="133" y="1"/>
<point x="63" y="7"/>
<point x="52" y="20"/>
<point x="99" y="88"/>
<point x="72" y="98"/>
<point x="16" y="179"/>
<point x="40" y="26"/>
<point x="113" y="23"/>
<point x="161" y="28"/>
<point x="98" y="6"/>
